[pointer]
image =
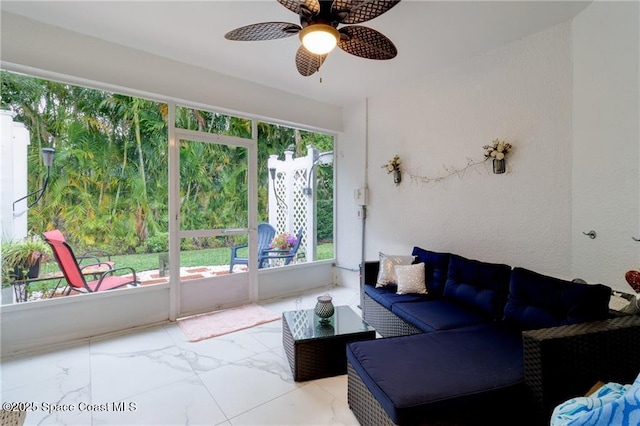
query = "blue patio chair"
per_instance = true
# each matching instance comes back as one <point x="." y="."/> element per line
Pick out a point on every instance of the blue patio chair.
<point x="266" y="233"/>
<point x="272" y="254"/>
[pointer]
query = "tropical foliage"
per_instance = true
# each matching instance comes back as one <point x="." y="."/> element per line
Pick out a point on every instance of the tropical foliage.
<point x="109" y="181"/>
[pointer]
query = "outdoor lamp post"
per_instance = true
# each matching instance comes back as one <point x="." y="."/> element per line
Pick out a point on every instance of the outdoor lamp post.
<point x="47" y="159"/>
<point x="322" y="158"/>
<point x="272" y="173"/>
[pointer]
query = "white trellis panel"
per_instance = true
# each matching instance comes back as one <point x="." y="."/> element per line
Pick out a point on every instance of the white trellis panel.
<point x="289" y="208"/>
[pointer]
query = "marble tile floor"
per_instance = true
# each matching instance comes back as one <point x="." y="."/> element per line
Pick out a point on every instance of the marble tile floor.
<point x="156" y="377"/>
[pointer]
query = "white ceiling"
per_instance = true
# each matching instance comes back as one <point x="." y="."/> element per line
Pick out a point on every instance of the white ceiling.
<point x="429" y="35"/>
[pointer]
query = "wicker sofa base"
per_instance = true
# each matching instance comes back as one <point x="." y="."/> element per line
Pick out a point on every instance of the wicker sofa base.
<point x="386" y="323"/>
<point x="364" y="406"/>
<point x="564" y="362"/>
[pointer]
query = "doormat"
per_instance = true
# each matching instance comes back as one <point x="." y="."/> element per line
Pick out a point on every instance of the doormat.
<point x="205" y="326"/>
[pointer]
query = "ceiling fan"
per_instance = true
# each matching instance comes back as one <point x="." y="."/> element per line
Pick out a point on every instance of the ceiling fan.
<point x="319" y="33"/>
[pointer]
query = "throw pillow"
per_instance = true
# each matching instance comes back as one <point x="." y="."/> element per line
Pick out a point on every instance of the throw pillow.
<point x="411" y="279"/>
<point x="436" y="267"/>
<point x="387" y="273"/>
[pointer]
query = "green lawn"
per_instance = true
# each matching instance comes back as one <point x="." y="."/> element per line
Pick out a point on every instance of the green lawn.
<point x="149" y="261"/>
<point x="217" y="256"/>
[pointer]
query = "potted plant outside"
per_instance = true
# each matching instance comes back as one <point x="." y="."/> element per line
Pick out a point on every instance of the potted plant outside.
<point x="21" y="259"/>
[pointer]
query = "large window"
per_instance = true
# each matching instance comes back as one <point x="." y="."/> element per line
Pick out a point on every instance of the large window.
<point x="108" y="186"/>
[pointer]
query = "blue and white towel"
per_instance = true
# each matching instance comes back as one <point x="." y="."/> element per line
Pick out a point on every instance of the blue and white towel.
<point x="612" y="404"/>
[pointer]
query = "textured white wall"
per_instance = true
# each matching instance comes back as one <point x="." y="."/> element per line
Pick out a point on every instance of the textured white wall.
<point x="521" y="93"/>
<point x="606" y="134"/>
<point x="568" y="98"/>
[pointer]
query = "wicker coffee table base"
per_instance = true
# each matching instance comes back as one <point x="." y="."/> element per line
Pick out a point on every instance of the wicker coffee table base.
<point x="316" y="358"/>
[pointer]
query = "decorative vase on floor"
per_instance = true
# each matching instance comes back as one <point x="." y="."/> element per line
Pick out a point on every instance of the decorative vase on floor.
<point x="324" y="308"/>
<point x="498" y="166"/>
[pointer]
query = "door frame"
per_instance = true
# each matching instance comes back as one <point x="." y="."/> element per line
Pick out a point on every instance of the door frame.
<point x="176" y="234"/>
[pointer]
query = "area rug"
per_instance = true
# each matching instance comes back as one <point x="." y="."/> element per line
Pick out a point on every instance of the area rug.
<point x="205" y="326"/>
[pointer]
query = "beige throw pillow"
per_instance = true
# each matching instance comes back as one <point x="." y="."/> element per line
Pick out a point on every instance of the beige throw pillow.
<point x="411" y="279"/>
<point x="387" y="273"/>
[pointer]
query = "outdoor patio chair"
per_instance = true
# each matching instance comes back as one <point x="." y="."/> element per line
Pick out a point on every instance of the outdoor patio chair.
<point x="266" y="232"/>
<point x="94" y="256"/>
<point x="75" y="275"/>
<point x="272" y="254"/>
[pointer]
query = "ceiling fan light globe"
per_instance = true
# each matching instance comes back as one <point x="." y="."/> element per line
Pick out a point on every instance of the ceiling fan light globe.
<point x="319" y="38"/>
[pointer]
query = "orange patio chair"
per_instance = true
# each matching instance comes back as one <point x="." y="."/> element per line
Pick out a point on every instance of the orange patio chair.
<point x="75" y="275"/>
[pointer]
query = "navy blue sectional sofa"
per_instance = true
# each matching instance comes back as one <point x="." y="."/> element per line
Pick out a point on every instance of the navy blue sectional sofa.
<point x="487" y="344"/>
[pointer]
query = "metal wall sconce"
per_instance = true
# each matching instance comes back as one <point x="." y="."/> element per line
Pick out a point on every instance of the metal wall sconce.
<point x="47" y="159"/>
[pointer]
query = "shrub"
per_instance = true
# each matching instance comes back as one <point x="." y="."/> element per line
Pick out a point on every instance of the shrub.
<point x="325" y="220"/>
<point x="158" y="243"/>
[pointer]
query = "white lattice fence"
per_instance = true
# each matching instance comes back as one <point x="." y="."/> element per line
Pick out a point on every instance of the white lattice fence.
<point x="281" y="216"/>
<point x="300" y="209"/>
<point x="289" y="208"/>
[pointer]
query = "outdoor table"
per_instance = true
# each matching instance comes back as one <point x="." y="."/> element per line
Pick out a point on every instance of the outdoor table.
<point x="317" y="349"/>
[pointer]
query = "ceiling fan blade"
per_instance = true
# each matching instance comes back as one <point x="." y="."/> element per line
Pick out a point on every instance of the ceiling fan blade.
<point x="263" y="31"/>
<point x="366" y="43"/>
<point x="305" y="8"/>
<point x="307" y="62"/>
<point x="358" y="11"/>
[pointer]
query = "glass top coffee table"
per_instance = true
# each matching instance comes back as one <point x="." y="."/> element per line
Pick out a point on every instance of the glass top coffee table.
<point x="315" y="349"/>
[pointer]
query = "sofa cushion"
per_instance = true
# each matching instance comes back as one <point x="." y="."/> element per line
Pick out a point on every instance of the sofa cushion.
<point x="387" y="272"/>
<point x="411" y="279"/>
<point x="441" y="314"/>
<point x="413" y="377"/>
<point x="387" y="296"/>
<point x="435" y="268"/>
<point x="539" y="301"/>
<point x="478" y="285"/>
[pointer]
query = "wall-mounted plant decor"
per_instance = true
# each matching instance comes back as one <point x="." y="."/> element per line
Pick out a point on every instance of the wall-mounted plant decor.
<point x="497" y="151"/>
<point x="393" y="166"/>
